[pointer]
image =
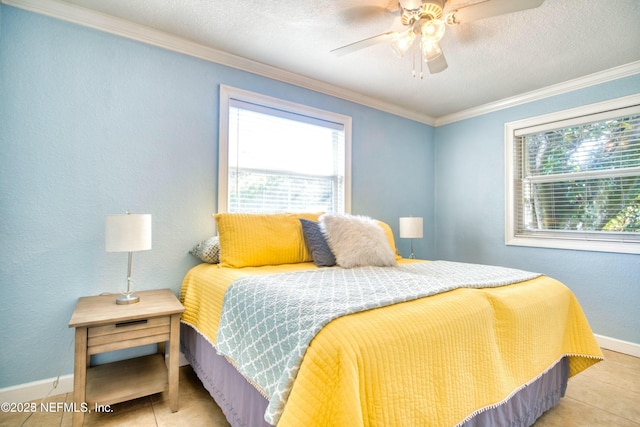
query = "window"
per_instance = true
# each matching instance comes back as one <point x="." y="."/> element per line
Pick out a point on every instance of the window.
<point x="573" y="178"/>
<point x="277" y="156"/>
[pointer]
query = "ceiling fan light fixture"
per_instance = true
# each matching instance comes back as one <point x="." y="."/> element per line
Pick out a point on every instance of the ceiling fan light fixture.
<point x="430" y="50"/>
<point x="401" y="42"/>
<point x="437" y="64"/>
<point x="433" y="30"/>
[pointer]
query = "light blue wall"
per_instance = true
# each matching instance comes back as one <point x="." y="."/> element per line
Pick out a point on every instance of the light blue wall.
<point x="469" y="222"/>
<point x="93" y="124"/>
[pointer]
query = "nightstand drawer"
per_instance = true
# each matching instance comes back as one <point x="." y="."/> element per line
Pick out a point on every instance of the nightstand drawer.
<point x="121" y="335"/>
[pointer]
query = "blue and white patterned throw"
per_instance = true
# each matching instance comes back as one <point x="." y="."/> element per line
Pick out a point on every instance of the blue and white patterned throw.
<point x="268" y="321"/>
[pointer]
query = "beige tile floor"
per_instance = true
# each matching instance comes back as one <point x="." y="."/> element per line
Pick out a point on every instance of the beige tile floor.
<point x="607" y="394"/>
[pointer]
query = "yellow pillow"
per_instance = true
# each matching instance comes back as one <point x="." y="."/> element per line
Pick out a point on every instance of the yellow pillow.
<point x="389" y="232"/>
<point x="250" y="240"/>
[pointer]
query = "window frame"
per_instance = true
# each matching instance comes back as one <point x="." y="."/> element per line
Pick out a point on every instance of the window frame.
<point x="227" y="93"/>
<point x="586" y="242"/>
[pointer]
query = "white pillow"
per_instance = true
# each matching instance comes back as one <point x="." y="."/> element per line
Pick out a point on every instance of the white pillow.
<point x="357" y="241"/>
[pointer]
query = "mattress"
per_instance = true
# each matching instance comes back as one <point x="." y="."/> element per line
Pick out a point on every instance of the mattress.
<point x="448" y="359"/>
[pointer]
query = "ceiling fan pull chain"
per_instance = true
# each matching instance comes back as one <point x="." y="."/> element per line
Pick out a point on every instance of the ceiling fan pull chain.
<point x="414" y="63"/>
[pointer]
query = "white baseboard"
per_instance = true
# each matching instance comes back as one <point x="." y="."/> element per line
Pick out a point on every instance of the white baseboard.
<point x="39" y="389"/>
<point x="22" y="393"/>
<point x="619" y="346"/>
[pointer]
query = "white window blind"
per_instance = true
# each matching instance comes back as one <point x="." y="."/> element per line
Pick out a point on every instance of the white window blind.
<point x="575" y="183"/>
<point x="283" y="157"/>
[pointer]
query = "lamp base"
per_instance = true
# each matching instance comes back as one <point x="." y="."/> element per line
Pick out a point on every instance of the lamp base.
<point x="127" y="299"/>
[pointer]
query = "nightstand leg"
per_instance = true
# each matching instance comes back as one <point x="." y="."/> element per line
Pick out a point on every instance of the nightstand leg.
<point x="174" y="352"/>
<point x="79" y="375"/>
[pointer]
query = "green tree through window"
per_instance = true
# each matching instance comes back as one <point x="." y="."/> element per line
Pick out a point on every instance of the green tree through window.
<point x="573" y="178"/>
<point x="610" y="151"/>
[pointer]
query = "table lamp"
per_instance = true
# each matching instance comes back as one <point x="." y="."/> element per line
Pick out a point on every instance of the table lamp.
<point x="128" y="233"/>
<point x="411" y="228"/>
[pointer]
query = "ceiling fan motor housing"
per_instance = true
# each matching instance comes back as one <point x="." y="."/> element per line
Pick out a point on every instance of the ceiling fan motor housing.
<point x="416" y="10"/>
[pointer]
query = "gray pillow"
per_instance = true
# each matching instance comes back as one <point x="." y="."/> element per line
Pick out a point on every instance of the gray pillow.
<point x="317" y="244"/>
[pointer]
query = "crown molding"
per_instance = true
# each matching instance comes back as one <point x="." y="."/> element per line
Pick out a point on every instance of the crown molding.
<point x="549" y="91"/>
<point x="121" y="27"/>
<point x="117" y="26"/>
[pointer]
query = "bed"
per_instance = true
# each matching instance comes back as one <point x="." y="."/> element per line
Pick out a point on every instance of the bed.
<point x="495" y="350"/>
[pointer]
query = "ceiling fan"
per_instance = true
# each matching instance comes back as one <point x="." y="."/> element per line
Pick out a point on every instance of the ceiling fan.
<point x="425" y="20"/>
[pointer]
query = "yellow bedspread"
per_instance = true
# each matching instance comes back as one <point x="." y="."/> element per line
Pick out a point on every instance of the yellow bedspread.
<point x="433" y="361"/>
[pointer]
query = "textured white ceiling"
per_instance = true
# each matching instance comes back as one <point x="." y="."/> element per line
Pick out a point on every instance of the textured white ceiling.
<point x="489" y="60"/>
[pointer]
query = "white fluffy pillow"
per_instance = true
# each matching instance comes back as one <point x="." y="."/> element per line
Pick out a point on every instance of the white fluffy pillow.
<point x="357" y="241"/>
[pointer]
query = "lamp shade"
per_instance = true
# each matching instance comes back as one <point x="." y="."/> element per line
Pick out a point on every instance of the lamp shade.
<point x="411" y="227"/>
<point x="127" y="233"/>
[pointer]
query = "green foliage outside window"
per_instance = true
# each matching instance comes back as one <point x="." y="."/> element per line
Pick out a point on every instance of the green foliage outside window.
<point x="585" y="178"/>
<point x="627" y="220"/>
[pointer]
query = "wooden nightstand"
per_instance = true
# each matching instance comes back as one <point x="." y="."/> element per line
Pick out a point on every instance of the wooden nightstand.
<point x="101" y="326"/>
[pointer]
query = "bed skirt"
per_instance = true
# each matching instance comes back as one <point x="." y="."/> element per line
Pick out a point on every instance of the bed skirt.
<point x="244" y="406"/>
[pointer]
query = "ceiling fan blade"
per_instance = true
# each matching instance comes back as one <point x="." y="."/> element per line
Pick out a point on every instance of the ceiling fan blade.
<point x="350" y="48"/>
<point x="367" y="14"/>
<point x="489" y="8"/>
<point x="437" y="64"/>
